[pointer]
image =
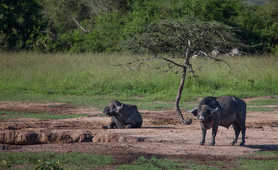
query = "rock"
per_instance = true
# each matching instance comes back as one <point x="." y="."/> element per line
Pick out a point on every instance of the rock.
<point x="235" y="52"/>
<point x="214" y="53"/>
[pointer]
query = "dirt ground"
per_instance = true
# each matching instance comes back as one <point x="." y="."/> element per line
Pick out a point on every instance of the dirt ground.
<point x="160" y="136"/>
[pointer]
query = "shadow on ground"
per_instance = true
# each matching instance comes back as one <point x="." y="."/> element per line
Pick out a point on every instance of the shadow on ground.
<point x="264" y="147"/>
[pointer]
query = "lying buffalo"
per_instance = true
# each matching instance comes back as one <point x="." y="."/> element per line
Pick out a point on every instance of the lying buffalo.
<point x="123" y="115"/>
<point x="223" y="111"/>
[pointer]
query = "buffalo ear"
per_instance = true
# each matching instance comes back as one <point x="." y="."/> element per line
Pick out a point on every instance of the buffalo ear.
<point x="194" y="111"/>
<point x="106" y="110"/>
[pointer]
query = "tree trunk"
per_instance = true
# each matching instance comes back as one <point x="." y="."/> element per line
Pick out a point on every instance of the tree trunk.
<point x="181" y="119"/>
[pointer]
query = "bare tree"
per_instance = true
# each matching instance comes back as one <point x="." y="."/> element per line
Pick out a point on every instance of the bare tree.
<point x="182" y="39"/>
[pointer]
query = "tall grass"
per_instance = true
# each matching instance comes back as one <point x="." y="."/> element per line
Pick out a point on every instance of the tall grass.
<point x="124" y="75"/>
<point x="248" y="76"/>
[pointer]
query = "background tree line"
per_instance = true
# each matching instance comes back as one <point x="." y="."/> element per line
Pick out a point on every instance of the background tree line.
<point x="110" y="25"/>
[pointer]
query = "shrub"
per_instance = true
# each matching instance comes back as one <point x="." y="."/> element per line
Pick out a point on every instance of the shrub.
<point x="20" y="23"/>
<point x="49" y="165"/>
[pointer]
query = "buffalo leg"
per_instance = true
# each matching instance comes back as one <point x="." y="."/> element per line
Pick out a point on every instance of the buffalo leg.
<point x="115" y="123"/>
<point x="112" y="125"/>
<point x="237" y="131"/>
<point x="214" y="132"/>
<point x="118" y="123"/>
<point x="133" y="125"/>
<point x="243" y="130"/>
<point x="130" y="126"/>
<point x="204" y="132"/>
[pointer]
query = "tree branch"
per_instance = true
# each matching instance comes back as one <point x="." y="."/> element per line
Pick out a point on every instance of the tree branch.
<point x="78" y="24"/>
<point x="216" y="59"/>
<point x="192" y="70"/>
<point x="173" y="62"/>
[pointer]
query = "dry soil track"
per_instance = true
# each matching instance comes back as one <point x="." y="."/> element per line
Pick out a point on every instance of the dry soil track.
<point x="161" y="134"/>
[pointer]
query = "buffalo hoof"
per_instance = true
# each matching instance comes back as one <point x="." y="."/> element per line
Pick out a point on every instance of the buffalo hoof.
<point x="105" y="127"/>
<point x="202" y="143"/>
<point x="242" y="144"/>
<point x="233" y="143"/>
<point x="211" y="144"/>
<point x="129" y="126"/>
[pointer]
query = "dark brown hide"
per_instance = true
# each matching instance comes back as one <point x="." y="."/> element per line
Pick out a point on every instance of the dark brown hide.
<point x="221" y="111"/>
<point x="123" y="115"/>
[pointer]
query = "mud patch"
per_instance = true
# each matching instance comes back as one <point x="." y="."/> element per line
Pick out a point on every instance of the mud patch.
<point x="117" y="138"/>
<point x="27" y="137"/>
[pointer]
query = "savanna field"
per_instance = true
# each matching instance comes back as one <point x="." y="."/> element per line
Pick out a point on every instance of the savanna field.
<point x="63" y="62"/>
<point x="133" y="76"/>
<point x="64" y="94"/>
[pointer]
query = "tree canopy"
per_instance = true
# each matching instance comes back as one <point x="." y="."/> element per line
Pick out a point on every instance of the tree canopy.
<point x="105" y="25"/>
<point x="182" y="39"/>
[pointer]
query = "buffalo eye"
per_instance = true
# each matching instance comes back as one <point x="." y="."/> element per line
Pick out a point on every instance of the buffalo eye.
<point x="195" y="112"/>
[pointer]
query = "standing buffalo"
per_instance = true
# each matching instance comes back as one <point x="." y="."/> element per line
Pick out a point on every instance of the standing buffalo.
<point x="223" y="111"/>
<point x="123" y="115"/>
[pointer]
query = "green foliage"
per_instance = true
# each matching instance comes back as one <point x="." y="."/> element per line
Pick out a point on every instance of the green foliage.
<point x="104" y="25"/>
<point x="178" y="37"/>
<point x="20" y="23"/>
<point x="104" y="37"/>
<point x="220" y="10"/>
<point x="61" y="13"/>
<point x="81" y="26"/>
<point x="259" y="25"/>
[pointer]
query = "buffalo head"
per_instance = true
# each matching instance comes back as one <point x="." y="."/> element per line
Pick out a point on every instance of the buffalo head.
<point x="205" y="112"/>
<point x="114" y="108"/>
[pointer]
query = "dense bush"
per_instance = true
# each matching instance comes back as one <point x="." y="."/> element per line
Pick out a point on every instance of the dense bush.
<point x="259" y="25"/>
<point x="102" y="25"/>
<point x="20" y="23"/>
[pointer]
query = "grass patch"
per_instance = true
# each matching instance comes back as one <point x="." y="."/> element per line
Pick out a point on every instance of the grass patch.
<point x="43" y="116"/>
<point x="266" y="153"/>
<point x="96" y="101"/>
<point x="72" y="161"/>
<point x="261" y="102"/>
<point x="242" y="163"/>
<point x="247" y="164"/>
<point x="258" y="160"/>
<point x="153" y="163"/>
<point x="76" y="76"/>
<point x="261" y="109"/>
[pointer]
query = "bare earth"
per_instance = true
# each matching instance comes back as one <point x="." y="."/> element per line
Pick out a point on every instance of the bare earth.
<point x="161" y="134"/>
